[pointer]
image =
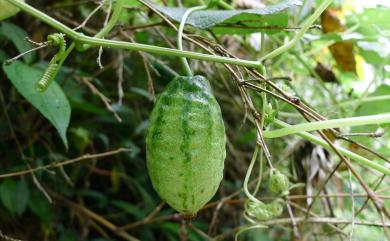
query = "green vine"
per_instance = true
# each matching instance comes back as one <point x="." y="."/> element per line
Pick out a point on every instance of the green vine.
<point x="116" y="13"/>
<point x="328" y="124"/>
<point x="98" y="41"/>
<point x="305" y="26"/>
<point x="359" y="159"/>
<point x="180" y="36"/>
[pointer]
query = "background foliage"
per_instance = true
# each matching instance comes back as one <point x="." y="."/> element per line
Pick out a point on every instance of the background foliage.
<point x="341" y="71"/>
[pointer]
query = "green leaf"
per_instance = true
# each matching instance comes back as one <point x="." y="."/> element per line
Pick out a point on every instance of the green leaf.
<point x="52" y="104"/>
<point x="17" y="35"/>
<point x="14" y="195"/>
<point x="68" y="235"/>
<point x="235" y="21"/>
<point x="374" y="22"/>
<point x="39" y="205"/>
<point x="375" y="107"/>
<point x="372" y="108"/>
<point x="374" y="52"/>
<point x="3" y="56"/>
<point x="129" y="208"/>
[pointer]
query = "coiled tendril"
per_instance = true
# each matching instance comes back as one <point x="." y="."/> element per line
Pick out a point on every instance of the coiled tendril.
<point x="54" y="65"/>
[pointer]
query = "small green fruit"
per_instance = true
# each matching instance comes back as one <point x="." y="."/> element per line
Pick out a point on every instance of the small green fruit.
<point x="185" y="144"/>
<point x="278" y="182"/>
<point x="259" y="211"/>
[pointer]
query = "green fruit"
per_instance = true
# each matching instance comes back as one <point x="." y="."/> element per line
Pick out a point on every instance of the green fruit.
<point x="185" y="144"/>
<point x="7" y="9"/>
<point x="264" y="212"/>
<point x="278" y="182"/>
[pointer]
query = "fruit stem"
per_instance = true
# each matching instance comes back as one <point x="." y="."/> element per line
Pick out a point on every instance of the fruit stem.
<point x="180" y="36"/>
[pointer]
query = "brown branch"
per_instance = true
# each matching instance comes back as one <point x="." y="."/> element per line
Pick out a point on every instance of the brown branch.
<point x="294" y="225"/>
<point x="70" y="161"/>
<point x="144" y="221"/>
<point x="99" y="219"/>
<point x="105" y="100"/>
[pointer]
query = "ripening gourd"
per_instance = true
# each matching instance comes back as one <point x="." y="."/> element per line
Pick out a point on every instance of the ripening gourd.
<point x="7" y="9"/>
<point x="185" y="144"/>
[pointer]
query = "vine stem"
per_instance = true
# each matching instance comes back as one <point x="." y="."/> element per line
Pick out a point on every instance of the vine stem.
<point x="80" y="37"/>
<point x="224" y="5"/>
<point x="116" y="13"/>
<point x="359" y="159"/>
<point x="328" y="124"/>
<point x="305" y="26"/>
<point x="248" y="174"/>
<point x="180" y="36"/>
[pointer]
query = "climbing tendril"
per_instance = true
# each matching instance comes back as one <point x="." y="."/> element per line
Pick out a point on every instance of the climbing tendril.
<point x="54" y="65"/>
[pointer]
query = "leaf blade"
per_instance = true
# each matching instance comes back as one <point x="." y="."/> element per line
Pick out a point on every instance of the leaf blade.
<point x="17" y="36"/>
<point x="52" y="104"/>
<point x="249" y="19"/>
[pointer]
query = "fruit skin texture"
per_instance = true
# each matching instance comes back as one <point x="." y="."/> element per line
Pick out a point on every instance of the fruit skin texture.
<point x="185" y="144"/>
<point x="7" y="10"/>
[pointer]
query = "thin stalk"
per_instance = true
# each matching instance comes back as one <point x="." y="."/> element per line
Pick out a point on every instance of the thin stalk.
<point x="353" y="156"/>
<point x="365" y="100"/>
<point x="184" y="61"/>
<point x="225" y="5"/>
<point x="264" y="98"/>
<point x="329" y="124"/>
<point x="305" y="26"/>
<point x="64" y="56"/>
<point x="248" y="174"/>
<point x="111" y="23"/>
<point x="364" y="95"/>
<point x="116" y="13"/>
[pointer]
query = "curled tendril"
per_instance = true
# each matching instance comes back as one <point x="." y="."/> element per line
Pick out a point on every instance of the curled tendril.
<point x="57" y="40"/>
<point x="278" y="183"/>
<point x="47" y="77"/>
<point x="255" y="210"/>
<point x="259" y="211"/>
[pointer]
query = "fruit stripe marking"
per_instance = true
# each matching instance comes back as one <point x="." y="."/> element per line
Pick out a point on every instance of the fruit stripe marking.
<point x="186" y="144"/>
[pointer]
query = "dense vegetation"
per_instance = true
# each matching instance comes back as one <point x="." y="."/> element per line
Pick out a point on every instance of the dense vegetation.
<point x="73" y="157"/>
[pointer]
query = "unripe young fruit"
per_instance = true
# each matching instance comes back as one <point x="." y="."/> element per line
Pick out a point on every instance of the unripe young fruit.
<point x="259" y="211"/>
<point x="7" y="9"/>
<point x="278" y="182"/>
<point x="264" y="212"/>
<point x="185" y="144"/>
<point x="275" y="207"/>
